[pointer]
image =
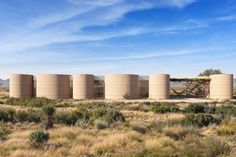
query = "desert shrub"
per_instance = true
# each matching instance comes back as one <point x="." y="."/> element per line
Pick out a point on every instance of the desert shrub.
<point x="11" y="114"/>
<point x="100" y="124"/>
<point x="4" y="116"/>
<point x="227" y="128"/>
<point x="139" y="129"/>
<point x="180" y="132"/>
<point x="113" y="115"/>
<point x="4" y="130"/>
<point x="22" y="116"/>
<point x="31" y="102"/>
<point x="38" y="138"/>
<point x="82" y="122"/>
<point x="65" y="118"/>
<point x="200" y="108"/>
<point x="164" y="108"/>
<point x="34" y="116"/>
<point x="81" y="113"/>
<point x="203" y="147"/>
<point x="28" y="116"/>
<point x="200" y="120"/>
<point x="226" y="111"/>
<point x="195" y="108"/>
<point x="209" y="109"/>
<point x="98" y="113"/>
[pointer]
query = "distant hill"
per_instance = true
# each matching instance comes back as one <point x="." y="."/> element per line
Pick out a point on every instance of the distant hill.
<point x="4" y="83"/>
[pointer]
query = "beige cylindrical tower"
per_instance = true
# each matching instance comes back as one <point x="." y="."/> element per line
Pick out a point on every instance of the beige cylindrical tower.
<point x="159" y="86"/>
<point x="221" y="86"/>
<point x="83" y="86"/>
<point x="121" y="86"/>
<point x="21" y="86"/>
<point x="53" y="86"/>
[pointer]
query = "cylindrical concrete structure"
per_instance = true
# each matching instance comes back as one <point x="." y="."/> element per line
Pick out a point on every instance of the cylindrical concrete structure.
<point x="83" y="86"/>
<point x="21" y="86"/>
<point x="121" y="86"/>
<point x="221" y="86"/>
<point x="159" y="86"/>
<point x="53" y="86"/>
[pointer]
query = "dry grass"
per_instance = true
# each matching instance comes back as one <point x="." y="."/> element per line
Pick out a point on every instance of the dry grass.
<point x="120" y="139"/>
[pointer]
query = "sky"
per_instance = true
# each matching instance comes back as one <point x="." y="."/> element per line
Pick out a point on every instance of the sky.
<point x="179" y="37"/>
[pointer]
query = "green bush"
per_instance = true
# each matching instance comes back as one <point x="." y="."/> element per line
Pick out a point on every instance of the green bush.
<point x="28" y="116"/>
<point x="200" y="108"/>
<point x="1" y="102"/>
<point x="31" y="102"/>
<point x="113" y="115"/>
<point x="98" y="113"/>
<point x="195" y="108"/>
<point x="4" y="116"/>
<point x="65" y="118"/>
<point x="226" y="111"/>
<point x="200" y="120"/>
<point x="11" y="114"/>
<point x="81" y="113"/>
<point x="38" y="138"/>
<point x="4" y="130"/>
<point x="164" y="108"/>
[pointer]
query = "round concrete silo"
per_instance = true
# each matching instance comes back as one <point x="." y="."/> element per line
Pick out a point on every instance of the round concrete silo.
<point x="53" y="86"/>
<point x="159" y="86"/>
<point x="121" y="86"/>
<point x="221" y="86"/>
<point x="83" y="86"/>
<point x="21" y="86"/>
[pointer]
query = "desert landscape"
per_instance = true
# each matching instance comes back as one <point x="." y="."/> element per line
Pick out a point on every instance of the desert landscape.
<point x="186" y="128"/>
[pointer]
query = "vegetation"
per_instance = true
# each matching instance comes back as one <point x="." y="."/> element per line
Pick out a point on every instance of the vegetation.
<point x="4" y="131"/>
<point x="209" y="72"/>
<point x="49" y="111"/>
<point x="164" y="108"/>
<point x="117" y="129"/>
<point x="33" y="102"/>
<point x="38" y="138"/>
<point x="200" y="120"/>
<point x="199" y="108"/>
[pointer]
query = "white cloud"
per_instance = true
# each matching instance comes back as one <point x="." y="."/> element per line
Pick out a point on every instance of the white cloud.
<point x="66" y="25"/>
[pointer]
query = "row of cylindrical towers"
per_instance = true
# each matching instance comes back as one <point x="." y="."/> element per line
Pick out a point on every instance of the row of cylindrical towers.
<point x="117" y="86"/>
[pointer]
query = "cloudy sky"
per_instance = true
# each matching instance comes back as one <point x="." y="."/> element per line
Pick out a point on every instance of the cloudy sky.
<point x="180" y="37"/>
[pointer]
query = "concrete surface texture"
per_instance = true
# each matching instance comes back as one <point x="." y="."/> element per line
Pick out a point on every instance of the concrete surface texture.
<point x="159" y="86"/>
<point x="83" y="86"/>
<point x="53" y="86"/>
<point x="143" y="88"/>
<point x="221" y="86"/>
<point x="21" y="86"/>
<point x="121" y="86"/>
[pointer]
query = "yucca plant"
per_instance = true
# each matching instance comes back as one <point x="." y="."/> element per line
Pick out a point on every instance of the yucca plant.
<point x="49" y="111"/>
<point x="38" y="138"/>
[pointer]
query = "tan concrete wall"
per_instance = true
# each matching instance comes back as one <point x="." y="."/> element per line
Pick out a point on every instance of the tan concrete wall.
<point x="83" y="86"/>
<point x="53" y="86"/>
<point x="221" y="86"/>
<point x="21" y="86"/>
<point x="119" y="85"/>
<point x="159" y="86"/>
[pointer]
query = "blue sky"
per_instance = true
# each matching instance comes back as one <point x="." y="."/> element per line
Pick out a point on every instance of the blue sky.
<point x="180" y="37"/>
